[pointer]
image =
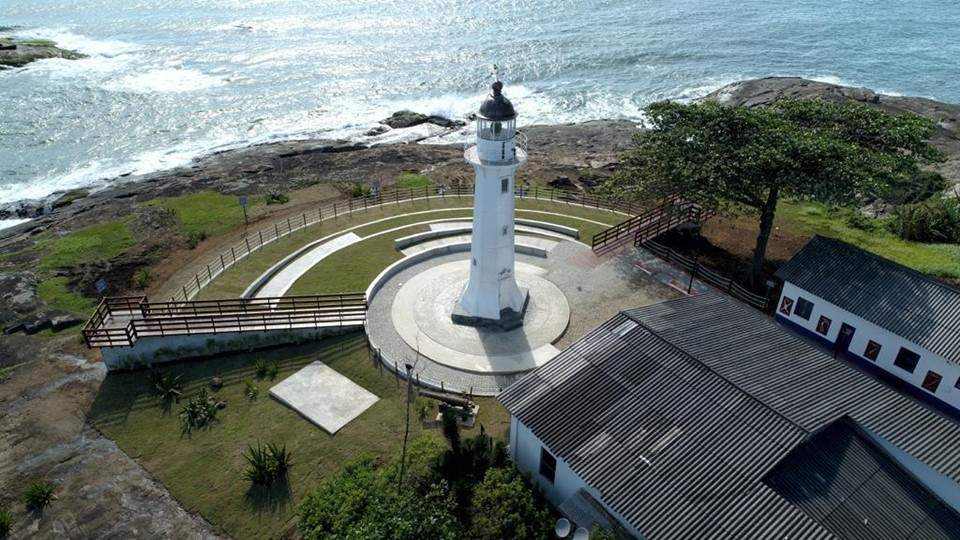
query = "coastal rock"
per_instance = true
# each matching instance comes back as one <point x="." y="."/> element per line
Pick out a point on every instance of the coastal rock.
<point x="19" y="297"/>
<point x="20" y="52"/>
<point x="405" y="119"/>
<point x="376" y="130"/>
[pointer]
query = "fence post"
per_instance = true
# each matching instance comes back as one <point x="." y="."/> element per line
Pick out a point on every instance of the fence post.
<point x="304" y="220"/>
<point x="223" y="265"/>
<point x="233" y="254"/>
<point x="197" y="277"/>
<point x="209" y="275"/>
<point x="247" y="242"/>
<point x="693" y="272"/>
<point x="260" y="233"/>
<point x="184" y="293"/>
<point x="334" y="209"/>
<point x="276" y="230"/>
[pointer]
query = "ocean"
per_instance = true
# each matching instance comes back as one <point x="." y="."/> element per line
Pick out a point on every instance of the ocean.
<point x="166" y="81"/>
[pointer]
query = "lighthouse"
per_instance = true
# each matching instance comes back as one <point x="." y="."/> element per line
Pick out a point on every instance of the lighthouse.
<point x="491" y="297"/>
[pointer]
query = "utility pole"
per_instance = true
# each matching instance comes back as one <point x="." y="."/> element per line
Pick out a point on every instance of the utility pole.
<point x="406" y="433"/>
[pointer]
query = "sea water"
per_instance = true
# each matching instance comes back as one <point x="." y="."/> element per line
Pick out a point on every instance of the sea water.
<point x="168" y="80"/>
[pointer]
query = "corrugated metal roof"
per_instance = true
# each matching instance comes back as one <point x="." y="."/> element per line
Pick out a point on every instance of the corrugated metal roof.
<point x="676" y="422"/>
<point x="846" y="481"/>
<point x="903" y="301"/>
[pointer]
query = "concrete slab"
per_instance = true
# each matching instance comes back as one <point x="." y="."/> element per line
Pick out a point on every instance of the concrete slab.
<point x="285" y="278"/>
<point x="323" y="396"/>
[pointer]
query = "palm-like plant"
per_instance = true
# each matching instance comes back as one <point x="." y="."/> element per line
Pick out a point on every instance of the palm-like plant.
<point x="199" y="412"/>
<point x="268" y="464"/>
<point x="167" y="385"/>
<point x="39" y="495"/>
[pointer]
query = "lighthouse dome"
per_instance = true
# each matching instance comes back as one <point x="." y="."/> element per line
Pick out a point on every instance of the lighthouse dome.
<point x="497" y="107"/>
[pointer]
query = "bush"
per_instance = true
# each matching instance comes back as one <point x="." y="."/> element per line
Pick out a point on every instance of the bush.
<point x="276" y="197"/>
<point x="39" y="495"/>
<point x="6" y="521"/>
<point x="195" y="237"/>
<point x="250" y="390"/>
<point x="168" y="386"/>
<point x="267" y="465"/>
<point x="260" y="367"/>
<point x="937" y="220"/>
<point x="921" y="187"/>
<point x="199" y="412"/>
<point x="142" y="278"/>
<point x="859" y="220"/>
<point x="504" y="506"/>
<point x="424" y="408"/>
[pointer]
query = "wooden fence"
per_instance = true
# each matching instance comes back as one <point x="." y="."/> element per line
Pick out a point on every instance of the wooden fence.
<point x="119" y="322"/>
<point x="707" y="275"/>
<point x="256" y="240"/>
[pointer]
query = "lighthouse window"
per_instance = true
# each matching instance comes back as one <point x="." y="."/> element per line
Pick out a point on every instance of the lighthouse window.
<point x="504" y="185"/>
<point x="504" y="231"/>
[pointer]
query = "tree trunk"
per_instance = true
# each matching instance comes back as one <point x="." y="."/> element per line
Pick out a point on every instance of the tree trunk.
<point x="767" y="213"/>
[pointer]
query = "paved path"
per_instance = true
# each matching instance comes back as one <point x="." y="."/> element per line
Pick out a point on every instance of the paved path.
<point x="280" y="283"/>
<point x="520" y="240"/>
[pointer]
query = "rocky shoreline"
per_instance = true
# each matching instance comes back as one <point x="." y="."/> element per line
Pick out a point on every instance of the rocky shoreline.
<point x="15" y="52"/>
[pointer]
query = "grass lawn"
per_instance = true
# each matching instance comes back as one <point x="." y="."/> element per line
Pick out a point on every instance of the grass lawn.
<point x="236" y="279"/>
<point x="408" y="179"/>
<point x="88" y="245"/>
<point x="207" y="212"/>
<point x="205" y="471"/>
<point x="814" y="218"/>
<point x="84" y="246"/>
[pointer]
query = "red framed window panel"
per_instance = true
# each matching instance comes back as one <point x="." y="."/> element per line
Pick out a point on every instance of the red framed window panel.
<point x="823" y="325"/>
<point x="932" y="381"/>
<point x="872" y="351"/>
<point x="786" y="306"/>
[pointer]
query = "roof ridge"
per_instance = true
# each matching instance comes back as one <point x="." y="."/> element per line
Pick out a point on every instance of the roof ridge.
<point x="884" y="260"/>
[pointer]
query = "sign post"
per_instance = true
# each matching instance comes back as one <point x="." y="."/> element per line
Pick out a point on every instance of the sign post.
<point x="243" y="204"/>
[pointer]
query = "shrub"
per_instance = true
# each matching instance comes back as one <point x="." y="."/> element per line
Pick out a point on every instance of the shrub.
<point x="5" y="374"/>
<point x="261" y="368"/>
<point x="199" y="412"/>
<point x="424" y="408"/>
<point x="250" y="390"/>
<point x="919" y="188"/>
<point x="504" y="506"/>
<point x="168" y="386"/>
<point x="267" y="465"/>
<point x="276" y="197"/>
<point x="937" y="220"/>
<point x="195" y="237"/>
<point x="273" y="369"/>
<point x="859" y="220"/>
<point x="39" y="495"/>
<point x="142" y="278"/>
<point x="6" y="521"/>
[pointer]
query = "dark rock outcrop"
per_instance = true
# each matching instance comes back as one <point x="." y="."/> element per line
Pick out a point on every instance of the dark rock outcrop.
<point x="405" y="119"/>
<point x="20" y="52"/>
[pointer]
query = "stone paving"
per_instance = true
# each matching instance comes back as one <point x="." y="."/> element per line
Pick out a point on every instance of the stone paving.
<point x="595" y="288"/>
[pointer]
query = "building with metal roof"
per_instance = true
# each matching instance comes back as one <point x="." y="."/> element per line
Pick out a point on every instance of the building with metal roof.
<point x="698" y="417"/>
<point x="891" y="320"/>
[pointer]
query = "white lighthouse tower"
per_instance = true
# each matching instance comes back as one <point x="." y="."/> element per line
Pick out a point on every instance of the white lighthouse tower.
<point x="492" y="297"/>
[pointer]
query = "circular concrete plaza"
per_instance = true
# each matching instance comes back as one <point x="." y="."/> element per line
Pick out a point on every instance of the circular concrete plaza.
<point x="571" y="292"/>
<point x="421" y="315"/>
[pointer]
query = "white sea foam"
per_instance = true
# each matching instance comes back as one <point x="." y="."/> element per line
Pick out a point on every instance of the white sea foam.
<point x="169" y="79"/>
<point x="76" y="42"/>
<point x="7" y="223"/>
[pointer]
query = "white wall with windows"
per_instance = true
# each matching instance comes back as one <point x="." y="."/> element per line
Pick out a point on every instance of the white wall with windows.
<point x="932" y="375"/>
<point x="527" y="451"/>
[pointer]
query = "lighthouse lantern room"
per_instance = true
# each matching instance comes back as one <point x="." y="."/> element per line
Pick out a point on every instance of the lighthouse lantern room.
<point x="492" y="297"/>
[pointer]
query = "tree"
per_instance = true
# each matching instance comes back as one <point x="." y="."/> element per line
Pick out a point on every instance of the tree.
<point x="504" y="506"/>
<point x="737" y="157"/>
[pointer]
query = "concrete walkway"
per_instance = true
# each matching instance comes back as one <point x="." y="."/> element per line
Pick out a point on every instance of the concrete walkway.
<point x="521" y="240"/>
<point x="281" y="282"/>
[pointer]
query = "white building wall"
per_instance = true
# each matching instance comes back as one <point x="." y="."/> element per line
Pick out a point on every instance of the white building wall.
<point x="890" y="344"/>
<point x="525" y="449"/>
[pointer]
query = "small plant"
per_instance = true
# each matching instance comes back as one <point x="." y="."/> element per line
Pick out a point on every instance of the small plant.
<point x="424" y="408"/>
<point x="195" y="237"/>
<point x="267" y="465"/>
<point x="39" y="495"/>
<point x="168" y="386"/>
<point x="5" y="374"/>
<point x="273" y="370"/>
<point x="859" y="220"/>
<point x="276" y="197"/>
<point x="199" y="412"/>
<point x="260" y="368"/>
<point x="142" y="278"/>
<point x="250" y="390"/>
<point x="6" y="521"/>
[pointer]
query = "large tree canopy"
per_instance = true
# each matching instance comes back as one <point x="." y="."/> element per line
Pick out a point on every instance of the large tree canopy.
<point x="737" y="157"/>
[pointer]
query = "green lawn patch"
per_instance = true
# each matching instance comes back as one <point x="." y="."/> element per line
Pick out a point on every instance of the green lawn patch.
<point x="206" y="213"/>
<point x="236" y="279"/>
<point x="99" y="242"/>
<point x="814" y="218"/>
<point x="410" y="179"/>
<point x="205" y="471"/>
<point x="55" y="291"/>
